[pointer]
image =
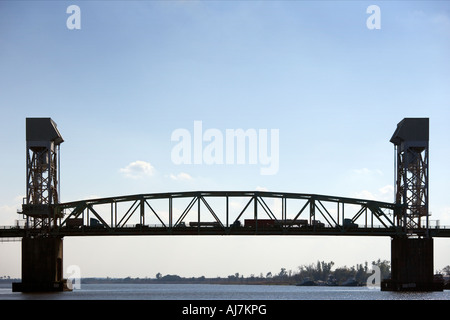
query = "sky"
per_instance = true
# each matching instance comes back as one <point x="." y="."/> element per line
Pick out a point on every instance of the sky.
<point x="122" y="78"/>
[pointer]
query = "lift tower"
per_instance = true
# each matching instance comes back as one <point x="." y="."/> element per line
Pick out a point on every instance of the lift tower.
<point x="411" y="190"/>
<point x="412" y="250"/>
<point x="41" y="252"/>
<point x="43" y="141"/>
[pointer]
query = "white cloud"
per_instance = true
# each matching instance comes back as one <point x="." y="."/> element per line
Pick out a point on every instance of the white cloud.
<point x="361" y="171"/>
<point x="385" y="194"/>
<point x="138" y="169"/>
<point x="366" y="171"/>
<point x="442" y="214"/>
<point x="387" y="190"/>
<point x="9" y="215"/>
<point x="365" y="194"/>
<point x="182" y="176"/>
<point x="442" y="20"/>
<point x="421" y="19"/>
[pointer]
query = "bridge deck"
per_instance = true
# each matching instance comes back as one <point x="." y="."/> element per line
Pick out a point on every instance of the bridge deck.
<point x="14" y="232"/>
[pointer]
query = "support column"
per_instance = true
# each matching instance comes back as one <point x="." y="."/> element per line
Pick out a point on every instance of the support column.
<point x="411" y="266"/>
<point x="42" y="266"/>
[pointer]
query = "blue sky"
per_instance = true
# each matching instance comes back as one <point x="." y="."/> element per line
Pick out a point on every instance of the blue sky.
<point x="138" y="70"/>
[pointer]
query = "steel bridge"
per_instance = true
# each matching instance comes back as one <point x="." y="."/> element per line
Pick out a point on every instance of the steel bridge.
<point x="47" y="221"/>
<point x="225" y="213"/>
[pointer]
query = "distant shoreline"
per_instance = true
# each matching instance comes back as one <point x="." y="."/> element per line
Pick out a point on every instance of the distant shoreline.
<point x="221" y="281"/>
<point x="318" y="274"/>
<point x="7" y="283"/>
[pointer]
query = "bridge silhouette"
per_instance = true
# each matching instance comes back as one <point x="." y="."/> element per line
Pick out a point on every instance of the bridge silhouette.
<point x="209" y="213"/>
<point x="47" y="221"/>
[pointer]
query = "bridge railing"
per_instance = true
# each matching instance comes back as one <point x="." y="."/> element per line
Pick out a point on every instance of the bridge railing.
<point x="16" y="233"/>
<point x="134" y="226"/>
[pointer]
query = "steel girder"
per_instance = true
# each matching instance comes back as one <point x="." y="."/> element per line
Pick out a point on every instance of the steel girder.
<point x="228" y="212"/>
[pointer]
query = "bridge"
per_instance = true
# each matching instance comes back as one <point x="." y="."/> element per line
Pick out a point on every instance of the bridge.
<point x="47" y="221"/>
<point x="209" y="213"/>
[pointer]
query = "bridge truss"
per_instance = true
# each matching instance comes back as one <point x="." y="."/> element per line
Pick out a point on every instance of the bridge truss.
<point x="227" y="213"/>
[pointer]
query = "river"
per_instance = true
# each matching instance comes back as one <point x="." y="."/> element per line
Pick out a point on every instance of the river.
<point x="219" y="292"/>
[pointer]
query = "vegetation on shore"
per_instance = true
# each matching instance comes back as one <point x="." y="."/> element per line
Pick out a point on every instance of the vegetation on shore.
<point x="320" y="273"/>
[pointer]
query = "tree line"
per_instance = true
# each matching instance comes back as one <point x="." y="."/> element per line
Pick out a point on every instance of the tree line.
<point x="319" y="272"/>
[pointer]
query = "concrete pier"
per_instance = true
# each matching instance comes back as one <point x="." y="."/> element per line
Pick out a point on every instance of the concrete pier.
<point x="411" y="266"/>
<point x="42" y="266"/>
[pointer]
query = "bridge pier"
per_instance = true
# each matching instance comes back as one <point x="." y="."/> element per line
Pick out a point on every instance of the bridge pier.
<point x="411" y="266"/>
<point x="42" y="266"/>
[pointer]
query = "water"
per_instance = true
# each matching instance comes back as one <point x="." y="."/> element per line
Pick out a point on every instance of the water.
<point x="219" y="292"/>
